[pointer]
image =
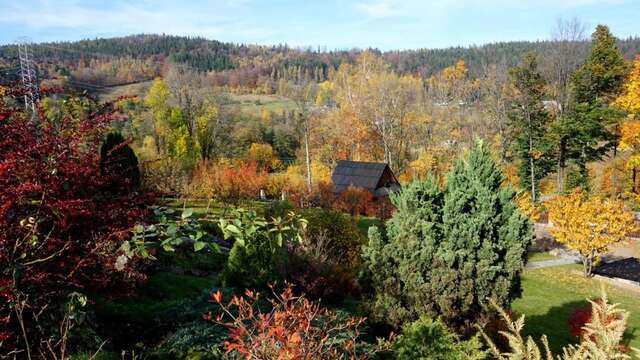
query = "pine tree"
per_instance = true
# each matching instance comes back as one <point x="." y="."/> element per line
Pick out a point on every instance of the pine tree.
<point x="486" y="239"/>
<point x="446" y="253"/>
<point x="530" y="121"/>
<point x="592" y="125"/>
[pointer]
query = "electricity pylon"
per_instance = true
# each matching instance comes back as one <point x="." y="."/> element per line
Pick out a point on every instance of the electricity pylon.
<point x="28" y="75"/>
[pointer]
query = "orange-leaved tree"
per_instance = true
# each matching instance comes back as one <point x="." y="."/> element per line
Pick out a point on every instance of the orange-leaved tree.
<point x="588" y="225"/>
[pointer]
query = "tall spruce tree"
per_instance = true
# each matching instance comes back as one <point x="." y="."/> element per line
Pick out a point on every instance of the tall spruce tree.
<point x="446" y="253"/>
<point x="530" y="121"/>
<point x="590" y="130"/>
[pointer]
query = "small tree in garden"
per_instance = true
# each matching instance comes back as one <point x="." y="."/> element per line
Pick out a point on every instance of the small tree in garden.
<point x="446" y="252"/>
<point x="588" y="225"/>
<point x="294" y="328"/>
<point x="426" y="339"/>
<point x="486" y="239"/>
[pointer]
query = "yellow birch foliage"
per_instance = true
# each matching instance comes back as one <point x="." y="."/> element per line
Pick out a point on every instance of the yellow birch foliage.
<point x="629" y="100"/>
<point x="527" y="206"/>
<point x="588" y="225"/>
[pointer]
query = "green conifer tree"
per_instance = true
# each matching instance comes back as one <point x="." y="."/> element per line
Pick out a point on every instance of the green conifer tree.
<point x="591" y="127"/>
<point x="531" y="121"/>
<point x="447" y="253"/>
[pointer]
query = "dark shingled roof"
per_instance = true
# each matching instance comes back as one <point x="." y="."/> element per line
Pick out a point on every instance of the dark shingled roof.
<point x="357" y="173"/>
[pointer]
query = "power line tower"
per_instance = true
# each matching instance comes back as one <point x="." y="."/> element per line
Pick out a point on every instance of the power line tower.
<point x="28" y="75"/>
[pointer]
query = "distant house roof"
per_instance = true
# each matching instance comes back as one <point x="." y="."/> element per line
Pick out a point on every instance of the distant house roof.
<point x="368" y="175"/>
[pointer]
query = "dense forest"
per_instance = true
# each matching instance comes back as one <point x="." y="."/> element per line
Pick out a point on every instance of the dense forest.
<point x="141" y="57"/>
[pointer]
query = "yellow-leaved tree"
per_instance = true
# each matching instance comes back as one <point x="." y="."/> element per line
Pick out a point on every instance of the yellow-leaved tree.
<point x="629" y="101"/>
<point x="588" y="225"/>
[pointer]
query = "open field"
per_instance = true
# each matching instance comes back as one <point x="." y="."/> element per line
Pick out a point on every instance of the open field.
<point x="137" y="89"/>
<point x="254" y="104"/>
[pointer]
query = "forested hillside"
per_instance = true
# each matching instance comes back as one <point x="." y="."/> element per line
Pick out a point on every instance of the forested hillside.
<point x="141" y="57"/>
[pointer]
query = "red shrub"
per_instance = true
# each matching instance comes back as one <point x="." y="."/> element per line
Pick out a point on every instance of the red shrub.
<point x="294" y="328"/>
<point x="355" y="201"/>
<point x="228" y="183"/>
<point x="62" y="219"/>
<point x="583" y="315"/>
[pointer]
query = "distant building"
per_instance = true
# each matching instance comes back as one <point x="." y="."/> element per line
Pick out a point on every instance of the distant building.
<point x="375" y="177"/>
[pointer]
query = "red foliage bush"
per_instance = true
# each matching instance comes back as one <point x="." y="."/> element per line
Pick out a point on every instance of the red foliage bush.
<point x="355" y="201"/>
<point x="294" y="328"/>
<point x="62" y="219"/>
<point x="228" y="183"/>
<point x="580" y="317"/>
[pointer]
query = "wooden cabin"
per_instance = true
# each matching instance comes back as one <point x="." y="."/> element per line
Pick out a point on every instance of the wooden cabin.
<point x="375" y="177"/>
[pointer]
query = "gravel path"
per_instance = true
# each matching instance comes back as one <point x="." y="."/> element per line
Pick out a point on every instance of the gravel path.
<point x="549" y="263"/>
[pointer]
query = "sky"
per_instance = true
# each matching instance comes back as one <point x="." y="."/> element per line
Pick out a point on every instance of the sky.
<point x="332" y="24"/>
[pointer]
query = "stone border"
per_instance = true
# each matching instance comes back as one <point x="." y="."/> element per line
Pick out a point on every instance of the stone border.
<point x="615" y="281"/>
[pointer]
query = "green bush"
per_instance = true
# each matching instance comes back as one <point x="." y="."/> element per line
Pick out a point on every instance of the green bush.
<point x="345" y="240"/>
<point x="259" y="254"/>
<point x="278" y="209"/>
<point x="199" y="340"/>
<point x="445" y="253"/>
<point x="426" y="339"/>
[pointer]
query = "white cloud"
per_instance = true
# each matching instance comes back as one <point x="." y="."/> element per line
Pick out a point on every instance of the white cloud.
<point x="220" y="19"/>
<point x="413" y="8"/>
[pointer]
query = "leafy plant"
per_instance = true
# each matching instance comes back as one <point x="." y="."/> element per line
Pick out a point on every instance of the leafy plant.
<point x="294" y="328"/>
<point x="166" y="234"/>
<point x="62" y="218"/>
<point x="259" y="252"/>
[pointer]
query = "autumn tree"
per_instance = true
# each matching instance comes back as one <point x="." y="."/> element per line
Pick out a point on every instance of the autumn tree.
<point x="157" y="100"/>
<point x="530" y="120"/>
<point x="497" y="92"/>
<point x="588" y="225"/>
<point x="380" y="104"/>
<point x="629" y="101"/>
<point x="303" y="95"/>
<point x="65" y="209"/>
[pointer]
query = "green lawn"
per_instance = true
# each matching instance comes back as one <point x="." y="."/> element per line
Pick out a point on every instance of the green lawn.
<point x="540" y="256"/>
<point x="550" y="296"/>
<point x="161" y="292"/>
<point x="254" y="104"/>
<point x="215" y="209"/>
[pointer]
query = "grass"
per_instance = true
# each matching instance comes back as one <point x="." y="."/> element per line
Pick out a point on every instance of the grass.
<point x="540" y="256"/>
<point x="364" y="222"/>
<point x="137" y="89"/>
<point x="550" y="296"/>
<point x="161" y="292"/>
<point x="254" y="104"/>
<point x="215" y="209"/>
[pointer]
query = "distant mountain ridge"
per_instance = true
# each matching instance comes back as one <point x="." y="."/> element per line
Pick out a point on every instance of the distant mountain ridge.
<point x="151" y="51"/>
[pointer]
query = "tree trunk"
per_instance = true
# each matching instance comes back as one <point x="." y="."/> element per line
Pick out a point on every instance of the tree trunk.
<point x="634" y="189"/>
<point x="587" y="263"/>
<point x="561" y="165"/>
<point x="307" y="158"/>
<point x="531" y="165"/>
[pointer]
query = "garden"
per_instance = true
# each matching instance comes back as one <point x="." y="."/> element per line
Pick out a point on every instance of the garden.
<point x="158" y="228"/>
